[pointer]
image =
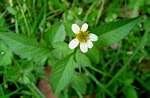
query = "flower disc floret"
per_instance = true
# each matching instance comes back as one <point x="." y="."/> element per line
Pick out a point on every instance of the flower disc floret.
<point x="82" y="37"/>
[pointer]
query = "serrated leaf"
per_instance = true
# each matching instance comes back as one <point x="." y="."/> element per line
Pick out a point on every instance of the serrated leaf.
<point x="25" y="47"/>
<point x="56" y="33"/>
<point x="61" y="50"/>
<point x="79" y="84"/>
<point x="115" y="31"/>
<point x="82" y="60"/>
<point x="62" y="74"/>
<point x="94" y="55"/>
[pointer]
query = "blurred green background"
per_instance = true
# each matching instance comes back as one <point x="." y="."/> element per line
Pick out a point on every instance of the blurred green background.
<point x="35" y="34"/>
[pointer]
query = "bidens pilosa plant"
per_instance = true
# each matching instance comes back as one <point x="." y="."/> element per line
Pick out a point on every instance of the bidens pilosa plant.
<point x="43" y="51"/>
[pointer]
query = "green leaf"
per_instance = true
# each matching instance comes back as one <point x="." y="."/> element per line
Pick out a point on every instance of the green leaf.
<point x="82" y="60"/>
<point x="147" y="24"/>
<point x="25" y="47"/>
<point x="79" y="84"/>
<point x="56" y="33"/>
<point x="3" y="25"/>
<point x="94" y="55"/>
<point x="5" y="55"/>
<point x="114" y="32"/>
<point x="130" y="91"/>
<point x="20" y="72"/>
<point x="11" y="10"/>
<point x="61" y="50"/>
<point x="2" y="22"/>
<point x="60" y="34"/>
<point x="62" y="74"/>
<point x="12" y="73"/>
<point x="144" y="83"/>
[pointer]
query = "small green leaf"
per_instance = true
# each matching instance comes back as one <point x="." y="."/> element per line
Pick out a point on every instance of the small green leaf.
<point x="130" y="91"/>
<point x="2" y="22"/>
<point x="21" y="72"/>
<point x="82" y="60"/>
<point x="61" y="50"/>
<point x="94" y="55"/>
<point x="56" y="33"/>
<point x="62" y="74"/>
<point x="5" y="55"/>
<point x="3" y="25"/>
<point x="147" y="24"/>
<point x="11" y="10"/>
<point x="60" y="34"/>
<point x="79" y="83"/>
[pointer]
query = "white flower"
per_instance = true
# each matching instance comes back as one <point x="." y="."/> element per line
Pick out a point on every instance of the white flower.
<point x="82" y="37"/>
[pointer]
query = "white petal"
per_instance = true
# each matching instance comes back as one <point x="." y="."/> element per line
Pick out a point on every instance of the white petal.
<point x="84" y="27"/>
<point x="75" y="28"/>
<point x="93" y="37"/>
<point x="73" y="44"/>
<point x="90" y="44"/>
<point x="84" y="47"/>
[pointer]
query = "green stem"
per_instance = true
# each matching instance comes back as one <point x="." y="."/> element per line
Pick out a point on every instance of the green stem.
<point x="98" y="83"/>
<point x="100" y="11"/>
<point x="36" y="91"/>
<point x="99" y="71"/>
<point x="142" y="44"/>
<point x="1" y="90"/>
<point x="89" y="10"/>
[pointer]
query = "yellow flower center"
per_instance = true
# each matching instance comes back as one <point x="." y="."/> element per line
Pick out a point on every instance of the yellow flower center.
<point x="82" y="36"/>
